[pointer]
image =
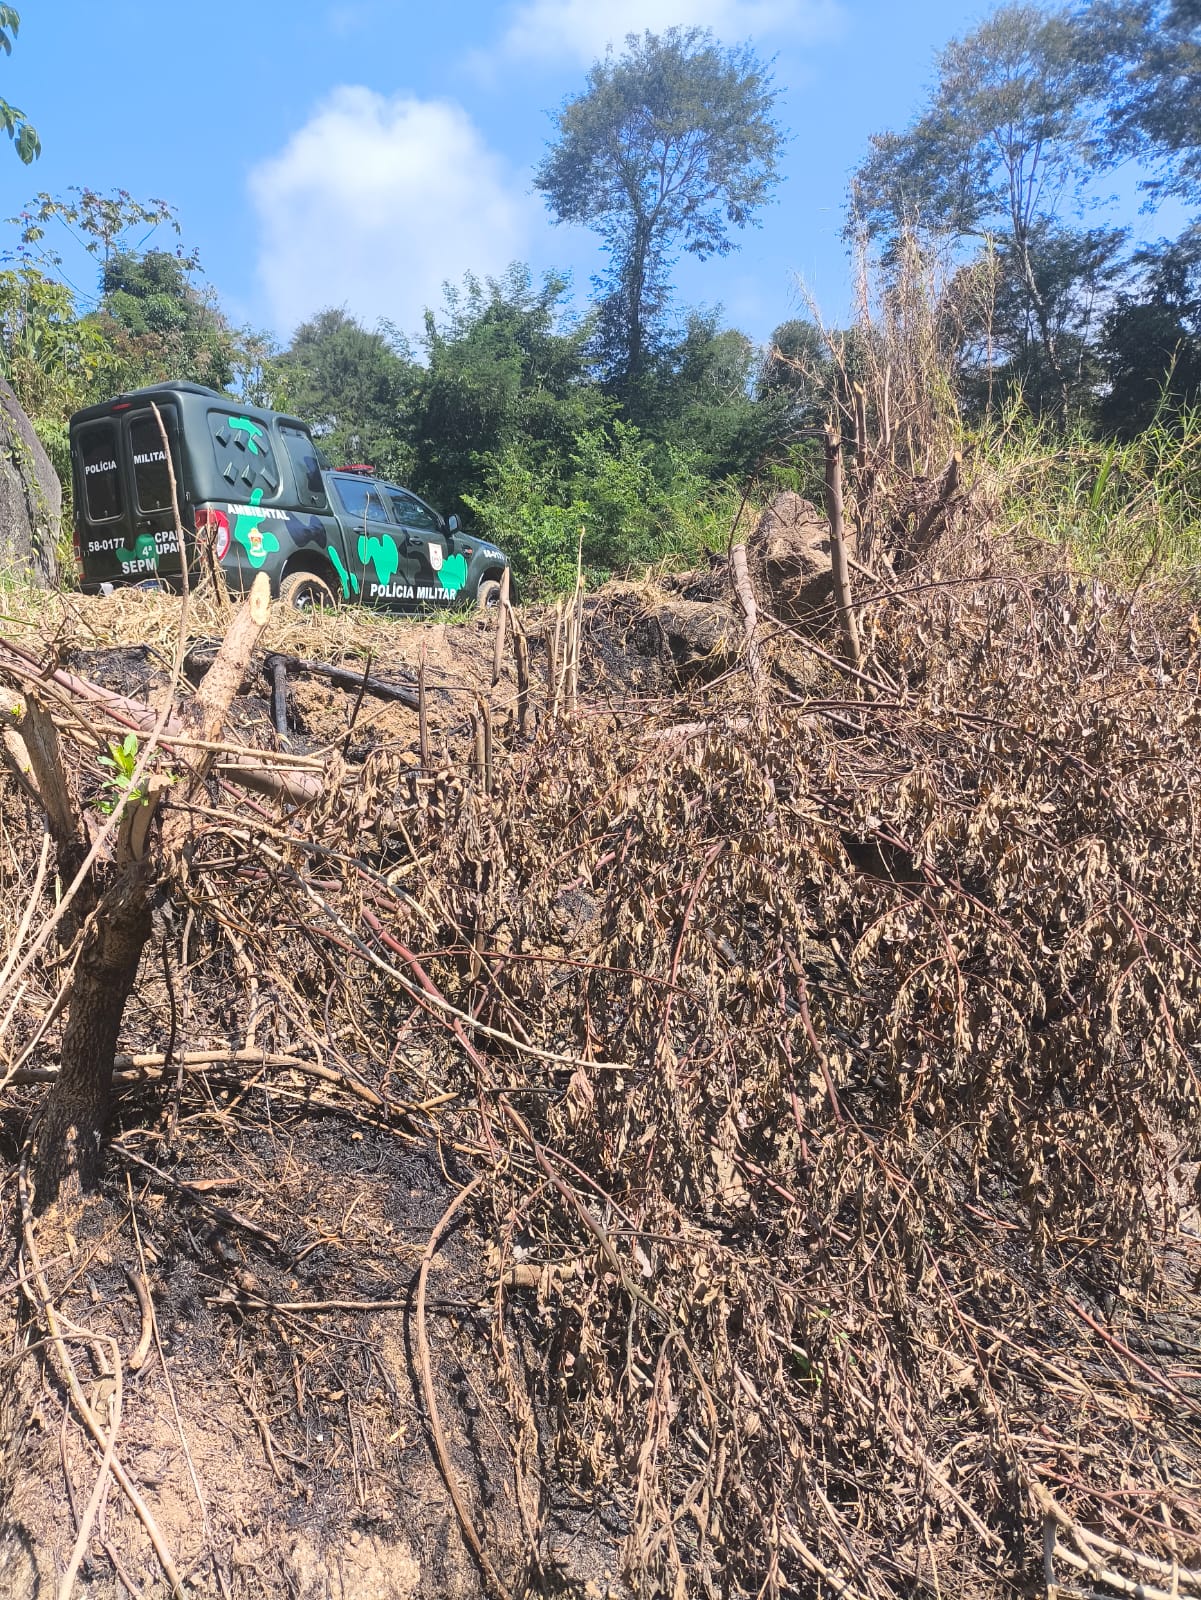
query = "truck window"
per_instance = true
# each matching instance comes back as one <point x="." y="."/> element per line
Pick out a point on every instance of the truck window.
<point x="151" y="480"/>
<point x="411" y="513"/>
<point x="245" y="458"/>
<point x="360" y="499"/>
<point x="306" y="465"/>
<point x="101" y="478"/>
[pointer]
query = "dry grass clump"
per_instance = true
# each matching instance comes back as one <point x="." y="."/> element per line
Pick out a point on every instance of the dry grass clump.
<point x="883" y="1016"/>
<point x="826" y="1064"/>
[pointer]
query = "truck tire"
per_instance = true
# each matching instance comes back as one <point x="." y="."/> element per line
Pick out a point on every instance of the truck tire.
<point x="487" y="596"/>
<point x="305" y="590"/>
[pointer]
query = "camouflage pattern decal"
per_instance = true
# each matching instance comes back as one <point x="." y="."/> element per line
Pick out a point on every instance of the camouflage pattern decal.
<point x="248" y="531"/>
<point x="383" y="556"/>
<point x="251" y="430"/>
<point x="453" y="574"/>
<point x="142" y="559"/>
<point x="348" y="580"/>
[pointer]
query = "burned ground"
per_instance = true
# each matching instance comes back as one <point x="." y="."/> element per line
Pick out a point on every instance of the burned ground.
<point x="791" y="1092"/>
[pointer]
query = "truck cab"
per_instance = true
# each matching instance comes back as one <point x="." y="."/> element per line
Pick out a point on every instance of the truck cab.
<point x="254" y="487"/>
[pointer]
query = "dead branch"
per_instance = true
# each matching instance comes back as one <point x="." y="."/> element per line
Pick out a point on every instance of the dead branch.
<point x="344" y="678"/>
<point x="741" y="579"/>
<point x="838" y="549"/>
<point x="451" y="1478"/>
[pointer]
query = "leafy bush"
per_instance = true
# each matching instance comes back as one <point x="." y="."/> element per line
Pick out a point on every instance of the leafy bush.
<point x="636" y="505"/>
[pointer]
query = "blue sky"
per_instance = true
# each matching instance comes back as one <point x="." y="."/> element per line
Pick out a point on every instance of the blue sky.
<point x="360" y="152"/>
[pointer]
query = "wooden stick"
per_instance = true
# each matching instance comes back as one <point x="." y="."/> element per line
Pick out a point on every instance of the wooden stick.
<point x="132" y="1070"/>
<point x="205" y="713"/>
<point x="16" y="759"/>
<point x="41" y="743"/>
<point x="750" y="612"/>
<point x="342" y="678"/>
<point x="480" y="761"/>
<point x="838" y="549"/>
<point x="947" y="490"/>
<point x="521" y="651"/>
<point x="276" y="668"/>
<point x="423" y="720"/>
<point x="492" y="1578"/>
<point x="886" y="415"/>
<point x="577" y="624"/>
<point x="859" y="400"/>
<point x="502" y="612"/>
<point x="281" y="783"/>
<point x="552" y="663"/>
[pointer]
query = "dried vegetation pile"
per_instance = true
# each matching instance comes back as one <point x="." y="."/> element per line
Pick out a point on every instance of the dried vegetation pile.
<point x="747" y="1123"/>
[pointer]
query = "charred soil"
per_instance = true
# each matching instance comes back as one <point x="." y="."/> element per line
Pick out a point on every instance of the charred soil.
<point x="712" y="1135"/>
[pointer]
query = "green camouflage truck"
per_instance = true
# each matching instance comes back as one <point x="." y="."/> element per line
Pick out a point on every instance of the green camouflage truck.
<point x="252" y="485"/>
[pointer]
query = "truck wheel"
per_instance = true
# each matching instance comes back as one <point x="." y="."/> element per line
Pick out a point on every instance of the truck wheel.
<point x="304" y="591"/>
<point x="488" y="594"/>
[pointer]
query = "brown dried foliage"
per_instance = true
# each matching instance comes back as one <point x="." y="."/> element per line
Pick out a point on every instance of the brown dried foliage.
<point x="832" y="1065"/>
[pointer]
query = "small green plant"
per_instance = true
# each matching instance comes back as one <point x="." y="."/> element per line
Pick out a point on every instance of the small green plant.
<point x="117" y="784"/>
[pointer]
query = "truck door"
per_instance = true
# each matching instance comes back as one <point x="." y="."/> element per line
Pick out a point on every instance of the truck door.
<point x="123" y="513"/>
<point x="158" y="538"/>
<point x="319" y="527"/>
<point x="439" y="575"/>
<point x="101" y="521"/>
<point x="385" y="572"/>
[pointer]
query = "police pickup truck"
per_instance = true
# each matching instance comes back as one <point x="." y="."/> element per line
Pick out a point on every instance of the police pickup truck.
<point x="254" y="487"/>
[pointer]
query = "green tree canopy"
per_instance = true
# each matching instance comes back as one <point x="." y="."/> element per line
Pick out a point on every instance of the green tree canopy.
<point x="1151" y="50"/>
<point x="708" y="397"/>
<point x="1151" y="338"/>
<point x="352" y="386"/>
<point x="504" y="364"/>
<point x="1005" y="144"/>
<point x="159" y="319"/>
<point x="669" y="146"/>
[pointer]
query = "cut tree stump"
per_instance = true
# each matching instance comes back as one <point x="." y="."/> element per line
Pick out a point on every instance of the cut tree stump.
<point x="112" y="906"/>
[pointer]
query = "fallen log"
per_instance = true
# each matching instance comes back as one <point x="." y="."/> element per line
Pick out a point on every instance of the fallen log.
<point x="344" y="678"/>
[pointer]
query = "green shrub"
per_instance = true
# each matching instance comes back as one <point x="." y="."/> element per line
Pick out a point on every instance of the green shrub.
<point x="637" y="504"/>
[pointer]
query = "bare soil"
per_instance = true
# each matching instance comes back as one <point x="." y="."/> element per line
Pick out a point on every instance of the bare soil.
<point x="276" y="1424"/>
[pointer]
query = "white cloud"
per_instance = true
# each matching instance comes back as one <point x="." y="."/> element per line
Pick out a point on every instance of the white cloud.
<point x="376" y="201"/>
<point x="581" y="29"/>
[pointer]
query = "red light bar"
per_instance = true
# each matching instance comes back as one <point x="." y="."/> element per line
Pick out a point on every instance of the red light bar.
<point x="355" y="466"/>
<point x="124" y="406"/>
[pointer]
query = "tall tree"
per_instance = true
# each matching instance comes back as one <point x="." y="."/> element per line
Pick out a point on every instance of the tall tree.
<point x="1151" y="339"/>
<point x="669" y="147"/>
<point x="709" y="398"/>
<point x="1151" y="50"/>
<point x="1007" y="141"/>
<point x="158" y="324"/>
<point x="15" y="123"/>
<point x="1004" y="348"/>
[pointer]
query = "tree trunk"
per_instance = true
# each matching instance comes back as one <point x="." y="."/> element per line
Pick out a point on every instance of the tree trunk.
<point x="66" y="1153"/>
<point x="636" y="289"/>
<point x="838" y="547"/>
<point x="67" y="1138"/>
<point x="1021" y="236"/>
